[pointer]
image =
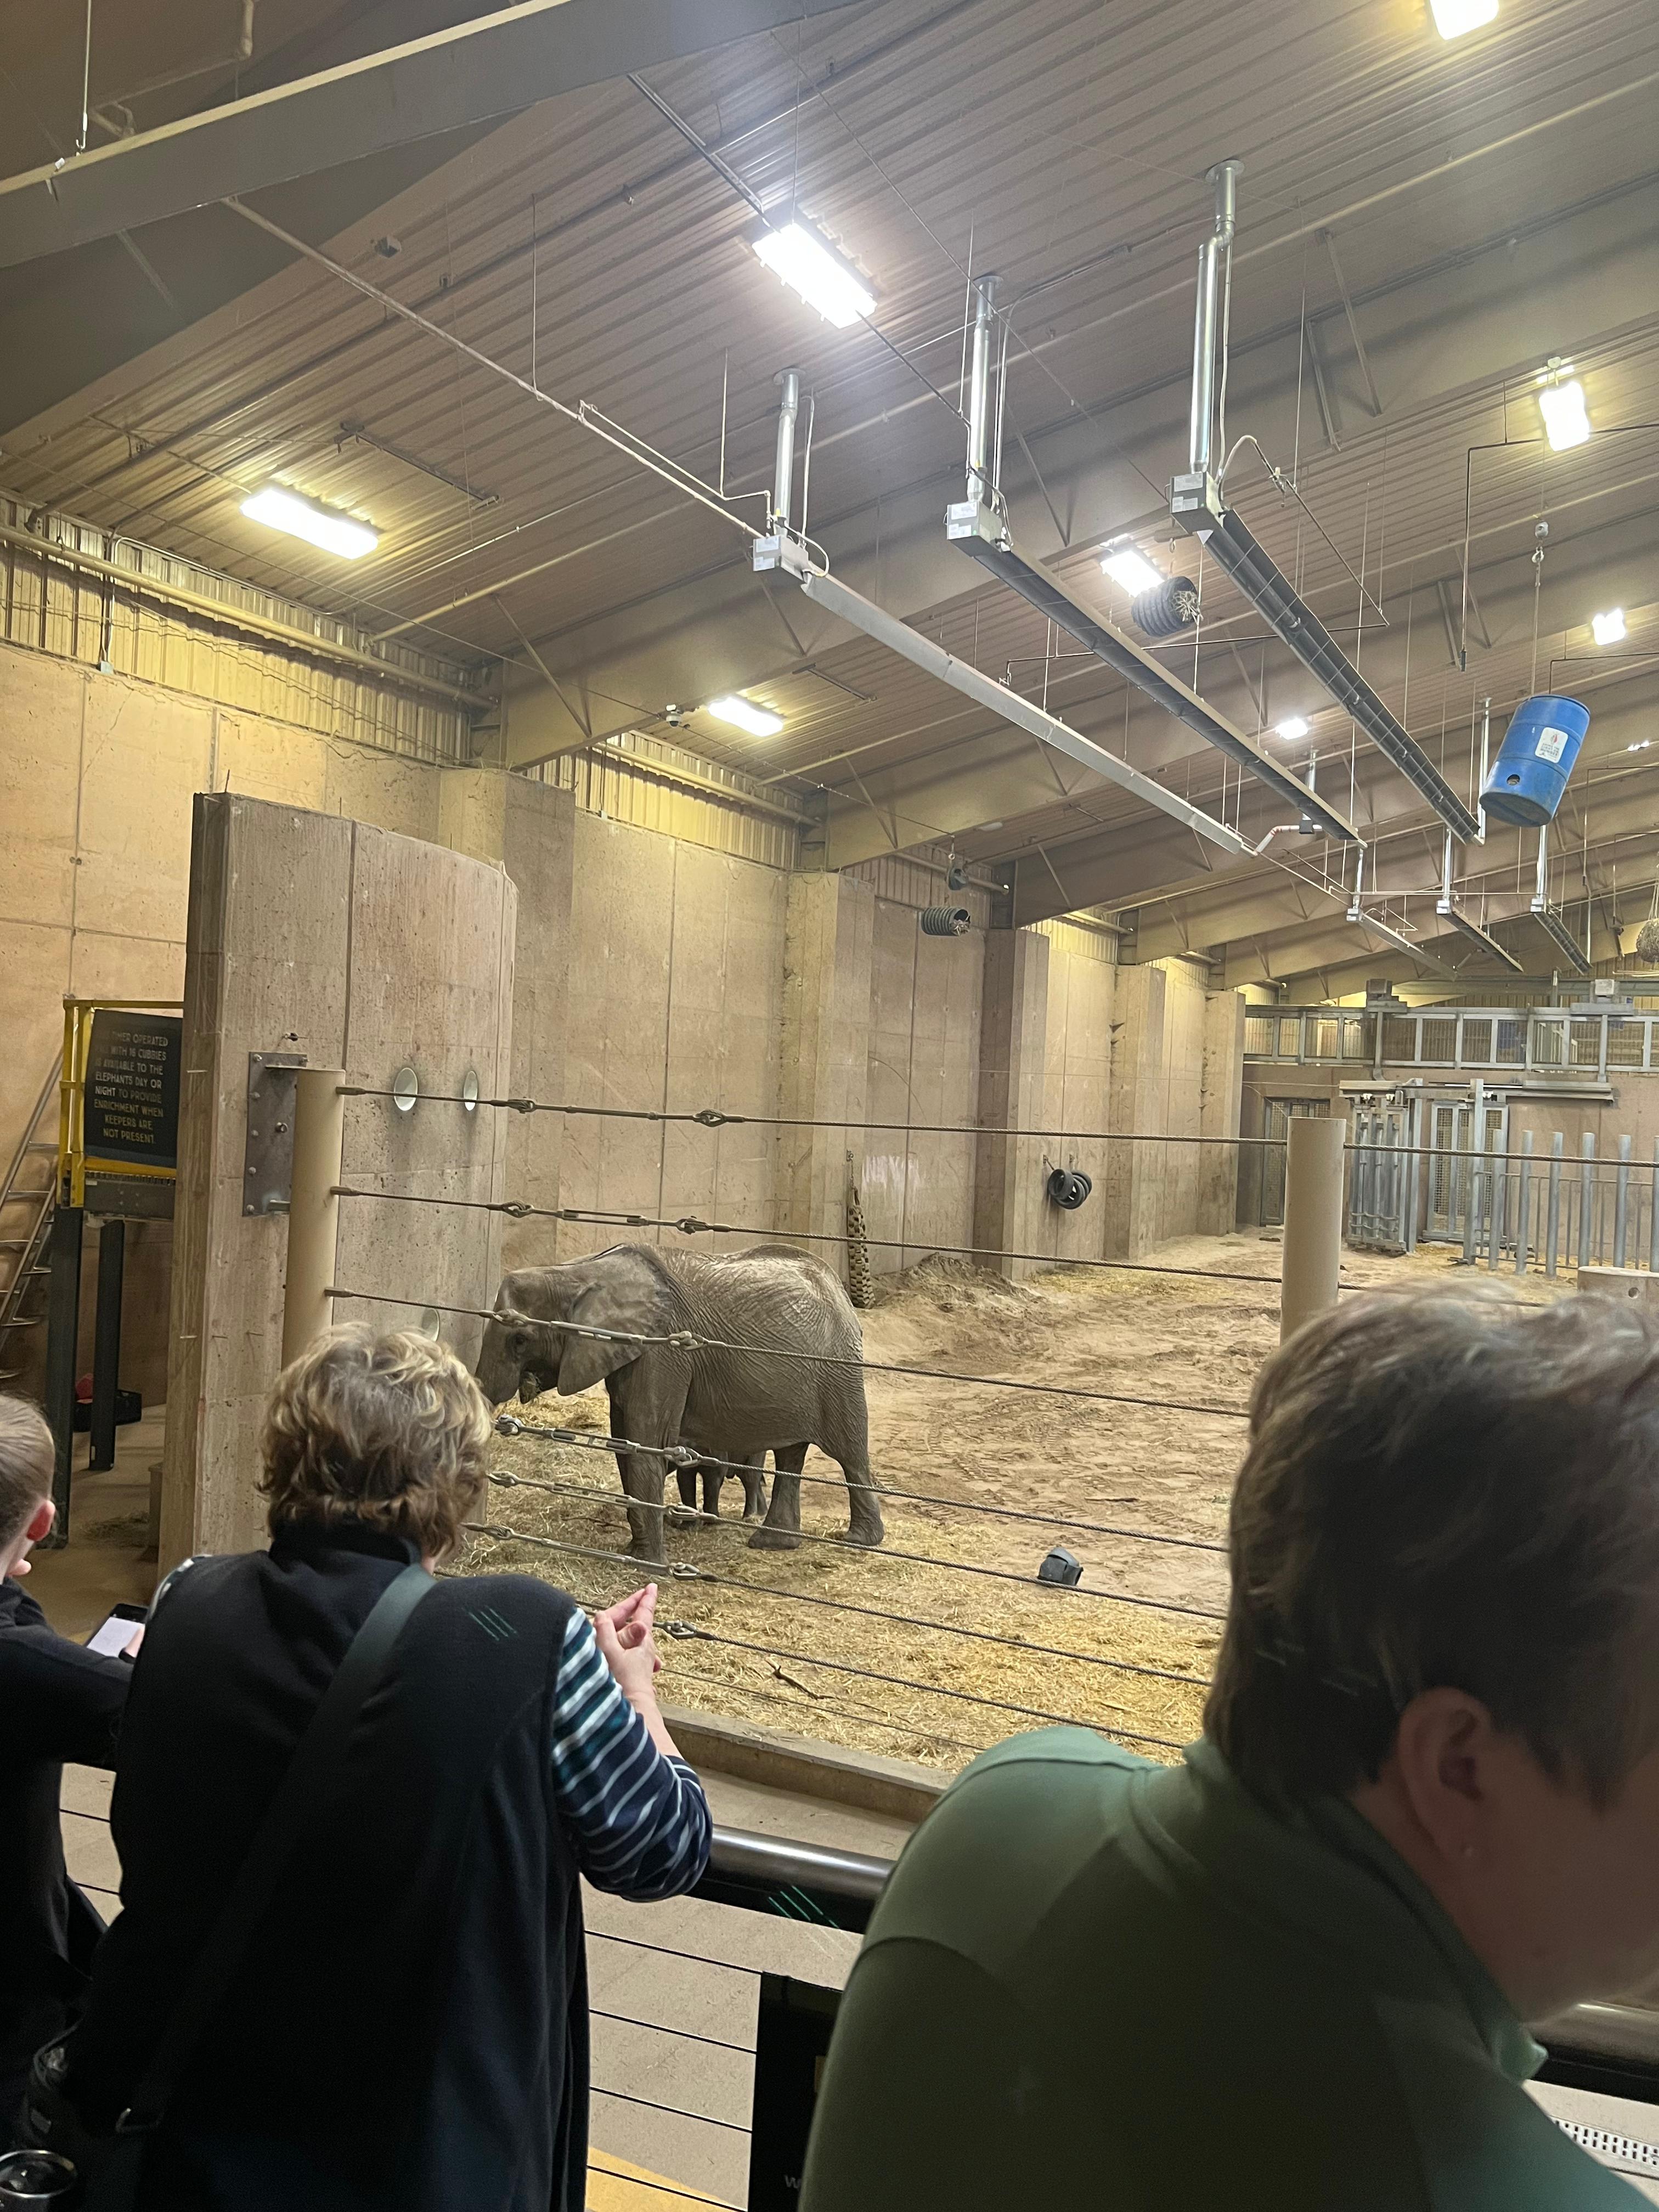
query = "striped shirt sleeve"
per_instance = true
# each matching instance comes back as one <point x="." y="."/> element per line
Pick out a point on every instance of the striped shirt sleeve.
<point x="640" y="1821"/>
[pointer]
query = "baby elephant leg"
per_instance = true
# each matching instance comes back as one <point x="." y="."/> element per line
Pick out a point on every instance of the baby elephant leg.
<point x="685" y="1514"/>
<point x="754" y="1487"/>
<point x="713" y="1481"/>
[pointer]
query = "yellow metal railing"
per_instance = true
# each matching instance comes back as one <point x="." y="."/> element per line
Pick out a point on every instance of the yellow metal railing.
<point x="72" y="1157"/>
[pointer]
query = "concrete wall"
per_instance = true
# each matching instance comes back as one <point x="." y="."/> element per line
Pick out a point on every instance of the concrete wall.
<point x="675" y="1003"/>
<point x="926" y="1000"/>
<point x="364" y="951"/>
<point x="97" y="773"/>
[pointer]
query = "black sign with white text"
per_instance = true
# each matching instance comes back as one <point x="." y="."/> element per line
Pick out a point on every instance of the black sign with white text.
<point x="131" y="1099"/>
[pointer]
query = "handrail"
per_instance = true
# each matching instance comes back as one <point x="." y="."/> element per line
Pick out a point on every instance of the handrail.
<point x="781" y="1877"/>
<point x="29" y="1127"/>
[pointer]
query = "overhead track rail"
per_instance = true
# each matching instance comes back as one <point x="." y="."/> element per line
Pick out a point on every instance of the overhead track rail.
<point x="1198" y="506"/>
<point x="1448" y="909"/>
<point x="472" y="73"/>
<point x="1549" y="918"/>
<point x="838" y="599"/>
<point x="979" y="524"/>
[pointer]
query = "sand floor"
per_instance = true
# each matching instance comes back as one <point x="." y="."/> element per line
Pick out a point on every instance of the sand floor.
<point x="793" y="1639"/>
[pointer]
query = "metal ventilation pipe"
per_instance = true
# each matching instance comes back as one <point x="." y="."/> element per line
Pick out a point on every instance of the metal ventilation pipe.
<point x="1213" y="285"/>
<point x="783" y="465"/>
<point x="979" y="391"/>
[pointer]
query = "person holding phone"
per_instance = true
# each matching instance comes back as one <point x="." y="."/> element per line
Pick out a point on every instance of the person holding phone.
<point x="58" y="1701"/>
<point x="402" y="2025"/>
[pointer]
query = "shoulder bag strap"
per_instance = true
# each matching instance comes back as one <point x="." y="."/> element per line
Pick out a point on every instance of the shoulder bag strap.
<point x="310" y="1774"/>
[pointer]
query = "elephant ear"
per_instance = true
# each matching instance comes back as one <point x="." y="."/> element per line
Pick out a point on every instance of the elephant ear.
<point x="622" y="1294"/>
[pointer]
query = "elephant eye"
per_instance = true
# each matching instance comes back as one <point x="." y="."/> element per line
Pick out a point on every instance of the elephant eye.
<point x="516" y="1341"/>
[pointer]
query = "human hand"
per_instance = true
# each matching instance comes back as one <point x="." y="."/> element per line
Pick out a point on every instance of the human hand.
<point x="623" y="1632"/>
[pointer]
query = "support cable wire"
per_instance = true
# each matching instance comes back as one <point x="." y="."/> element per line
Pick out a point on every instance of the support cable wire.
<point x="928" y="1689"/>
<point x="873" y="1551"/>
<point x="689" y="1225"/>
<point x="674" y="2111"/>
<point x="680" y="1571"/>
<point x="686" y="1341"/>
<point x="808" y="1701"/>
<point x="690" y="1630"/>
<point x="661" y="2027"/>
<point x="684" y="1571"/>
<point x="667" y="1951"/>
<point x="681" y="2191"/>
<point x="684" y="1455"/>
<point x="711" y="1117"/>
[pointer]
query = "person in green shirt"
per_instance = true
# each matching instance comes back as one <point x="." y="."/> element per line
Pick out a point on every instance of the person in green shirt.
<point x="1291" y="1973"/>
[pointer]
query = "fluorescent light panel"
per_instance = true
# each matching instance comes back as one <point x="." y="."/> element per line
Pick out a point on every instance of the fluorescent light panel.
<point x="744" y="714"/>
<point x="1128" y="567"/>
<point x="1292" y="727"/>
<point x="1566" y="420"/>
<point x="1452" y="18"/>
<point x="326" y="527"/>
<point x="1608" y="629"/>
<point x="800" y="253"/>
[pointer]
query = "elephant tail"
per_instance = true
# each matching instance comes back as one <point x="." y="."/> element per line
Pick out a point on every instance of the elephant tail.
<point x="860" y="1288"/>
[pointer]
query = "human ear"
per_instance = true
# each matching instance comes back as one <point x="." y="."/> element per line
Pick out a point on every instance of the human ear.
<point x="1442" y="1754"/>
<point x="40" y="1521"/>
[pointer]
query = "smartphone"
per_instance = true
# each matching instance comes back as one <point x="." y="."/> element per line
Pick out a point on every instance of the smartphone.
<point x="112" y="1635"/>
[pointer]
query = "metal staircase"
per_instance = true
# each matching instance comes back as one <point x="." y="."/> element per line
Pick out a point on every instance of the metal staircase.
<point x="27" y="1199"/>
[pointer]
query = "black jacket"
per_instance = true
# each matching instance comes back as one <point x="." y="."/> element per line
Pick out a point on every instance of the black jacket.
<point x="409" y="2030"/>
<point x="58" y="1701"/>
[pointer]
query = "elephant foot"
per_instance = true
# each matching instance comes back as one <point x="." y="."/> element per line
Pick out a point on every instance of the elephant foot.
<point x="775" y="1539"/>
<point x="866" y="1538"/>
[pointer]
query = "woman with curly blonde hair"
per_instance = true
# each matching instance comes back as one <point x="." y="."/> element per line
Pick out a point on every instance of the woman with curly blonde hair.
<point x="408" y="2026"/>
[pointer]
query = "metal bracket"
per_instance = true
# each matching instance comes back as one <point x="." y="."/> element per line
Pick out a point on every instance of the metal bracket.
<point x="267" y="1156"/>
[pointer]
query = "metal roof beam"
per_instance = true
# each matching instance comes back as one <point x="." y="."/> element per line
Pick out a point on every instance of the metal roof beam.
<point x="470" y="74"/>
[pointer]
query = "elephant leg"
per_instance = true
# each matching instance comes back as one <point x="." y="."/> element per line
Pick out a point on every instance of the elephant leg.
<point x="642" y="1481"/>
<point x="713" y="1481"/>
<point x="849" y="1447"/>
<point x="781" y="1530"/>
<point x="685" y="1514"/>
<point x="754" y="1487"/>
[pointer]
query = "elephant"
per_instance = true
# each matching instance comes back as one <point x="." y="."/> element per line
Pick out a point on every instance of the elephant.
<point x="730" y="1404"/>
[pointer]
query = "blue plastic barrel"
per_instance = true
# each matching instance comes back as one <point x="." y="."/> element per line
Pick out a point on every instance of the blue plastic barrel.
<point x="1534" y="760"/>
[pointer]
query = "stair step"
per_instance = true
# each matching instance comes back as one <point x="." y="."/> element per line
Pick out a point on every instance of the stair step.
<point x="24" y="1321"/>
<point x="40" y="1145"/>
<point x="28" y="1193"/>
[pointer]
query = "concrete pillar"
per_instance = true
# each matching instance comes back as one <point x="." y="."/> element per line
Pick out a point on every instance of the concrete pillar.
<point x="1220" y="1098"/>
<point x="1137" y="1097"/>
<point x="538" y="851"/>
<point x="1313" y="1220"/>
<point x="828" y="932"/>
<point x="1008" y="1201"/>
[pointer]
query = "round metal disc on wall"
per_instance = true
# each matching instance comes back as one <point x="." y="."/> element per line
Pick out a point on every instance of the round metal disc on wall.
<point x="405" y="1088"/>
<point x="431" y="1322"/>
<point x="470" y="1092"/>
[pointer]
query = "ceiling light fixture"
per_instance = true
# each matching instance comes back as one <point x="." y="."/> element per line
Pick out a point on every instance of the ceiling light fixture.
<point x="1292" y="727"/>
<point x="1452" y="18"/>
<point x="800" y="253"/>
<point x="1128" y="567"/>
<point x="278" y="509"/>
<point x="744" y="714"/>
<point x="1640" y="746"/>
<point x="1608" y="629"/>
<point x="1566" y="420"/>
